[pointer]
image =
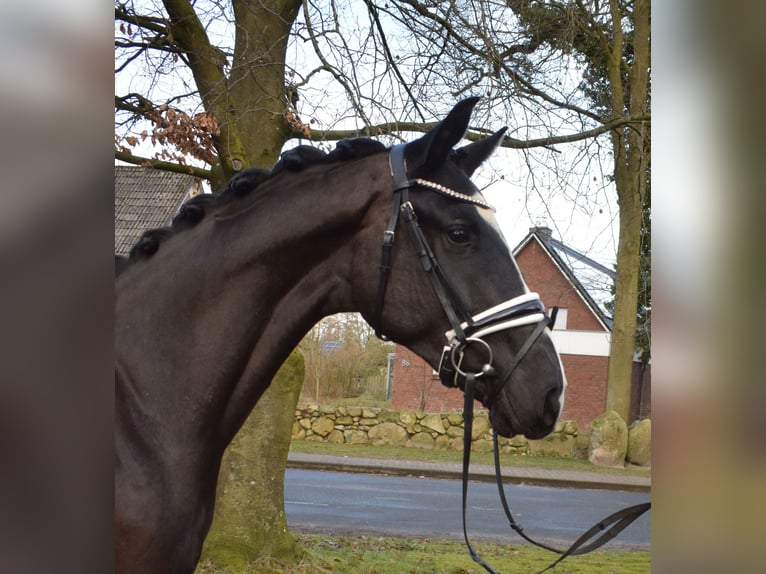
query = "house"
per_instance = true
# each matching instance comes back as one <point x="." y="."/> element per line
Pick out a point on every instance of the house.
<point x="147" y="198"/>
<point x="582" y="335"/>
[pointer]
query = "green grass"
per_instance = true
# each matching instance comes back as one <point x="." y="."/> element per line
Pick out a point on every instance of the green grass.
<point x="548" y="463"/>
<point x="379" y="555"/>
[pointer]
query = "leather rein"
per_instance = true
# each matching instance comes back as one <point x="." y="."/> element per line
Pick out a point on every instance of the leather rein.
<point x="468" y="330"/>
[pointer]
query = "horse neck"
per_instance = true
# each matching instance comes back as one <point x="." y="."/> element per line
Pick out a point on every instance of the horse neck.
<point x="229" y="299"/>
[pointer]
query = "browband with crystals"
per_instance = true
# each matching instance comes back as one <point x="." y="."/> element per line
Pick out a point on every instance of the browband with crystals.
<point x="452" y="193"/>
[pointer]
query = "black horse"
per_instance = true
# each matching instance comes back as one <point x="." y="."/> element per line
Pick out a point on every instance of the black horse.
<point x="207" y="311"/>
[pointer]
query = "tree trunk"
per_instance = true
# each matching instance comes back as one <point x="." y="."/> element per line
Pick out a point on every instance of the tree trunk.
<point x="249" y="521"/>
<point x="624" y="330"/>
<point x="250" y="107"/>
<point x="257" y="78"/>
<point x="631" y="167"/>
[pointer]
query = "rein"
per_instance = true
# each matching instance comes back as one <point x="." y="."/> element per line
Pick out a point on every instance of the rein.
<point x="609" y="527"/>
<point x="468" y="330"/>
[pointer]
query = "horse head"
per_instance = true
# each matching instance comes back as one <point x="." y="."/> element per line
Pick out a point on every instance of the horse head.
<point x="450" y="290"/>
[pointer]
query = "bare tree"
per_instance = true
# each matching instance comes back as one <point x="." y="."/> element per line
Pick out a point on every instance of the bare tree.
<point x="579" y="68"/>
<point x="219" y="86"/>
<point x="341" y="352"/>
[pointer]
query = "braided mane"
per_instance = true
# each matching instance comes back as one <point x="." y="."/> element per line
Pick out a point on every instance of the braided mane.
<point x="244" y="184"/>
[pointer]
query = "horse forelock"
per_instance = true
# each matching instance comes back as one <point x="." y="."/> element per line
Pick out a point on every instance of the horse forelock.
<point x="244" y="184"/>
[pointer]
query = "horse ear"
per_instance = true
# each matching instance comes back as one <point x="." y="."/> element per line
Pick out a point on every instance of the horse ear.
<point x="432" y="149"/>
<point x="471" y="156"/>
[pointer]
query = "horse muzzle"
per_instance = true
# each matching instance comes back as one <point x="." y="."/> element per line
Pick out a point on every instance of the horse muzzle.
<point x="512" y="410"/>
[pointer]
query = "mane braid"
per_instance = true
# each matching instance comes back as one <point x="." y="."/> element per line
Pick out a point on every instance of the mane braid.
<point x="242" y="184"/>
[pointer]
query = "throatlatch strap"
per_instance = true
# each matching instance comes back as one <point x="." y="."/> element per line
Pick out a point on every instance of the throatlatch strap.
<point x="385" y="259"/>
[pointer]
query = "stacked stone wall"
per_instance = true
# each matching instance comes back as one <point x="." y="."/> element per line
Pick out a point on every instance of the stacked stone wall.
<point x="443" y="431"/>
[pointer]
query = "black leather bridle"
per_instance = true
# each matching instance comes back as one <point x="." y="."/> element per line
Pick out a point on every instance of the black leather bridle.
<point x="468" y="330"/>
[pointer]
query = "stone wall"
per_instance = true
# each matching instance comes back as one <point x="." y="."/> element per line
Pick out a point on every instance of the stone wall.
<point x="444" y="431"/>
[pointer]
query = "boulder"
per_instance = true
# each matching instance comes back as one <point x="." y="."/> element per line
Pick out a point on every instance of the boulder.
<point x="421" y="440"/>
<point x="387" y="434"/>
<point x="356" y="437"/>
<point x="456" y="443"/>
<point x="335" y="437"/>
<point x="608" y="443"/>
<point x="640" y="443"/>
<point x="388" y="416"/>
<point x="570" y="427"/>
<point x="323" y="426"/>
<point x="408" y="418"/>
<point x="441" y="442"/>
<point x="581" y="445"/>
<point x="518" y="440"/>
<point x="556" y="444"/>
<point x="455" y="419"/>
<point x="298" y="432"/>
<point x="482" y="446"/>
<point x="354" y="411"/>
<point x="433" y="422"/>
<point x="480" y="427"/>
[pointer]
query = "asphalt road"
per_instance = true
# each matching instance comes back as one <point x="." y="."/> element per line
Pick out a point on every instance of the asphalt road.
<point x="340" y="503"/>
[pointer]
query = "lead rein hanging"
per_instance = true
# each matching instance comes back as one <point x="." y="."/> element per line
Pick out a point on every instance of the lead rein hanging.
<point x="610" y="526"/>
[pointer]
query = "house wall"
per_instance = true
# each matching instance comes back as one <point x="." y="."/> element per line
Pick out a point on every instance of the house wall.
<point x="416" y="387"/>
<point x="544" y="277"/>
<point x="585" y="396"/>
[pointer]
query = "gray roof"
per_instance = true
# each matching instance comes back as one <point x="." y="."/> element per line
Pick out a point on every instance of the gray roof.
<point x="146" y="198"/>
<point x="589" y="278"/>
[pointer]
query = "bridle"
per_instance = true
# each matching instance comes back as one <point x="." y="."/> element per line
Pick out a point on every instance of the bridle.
<point x="467" y="330"/>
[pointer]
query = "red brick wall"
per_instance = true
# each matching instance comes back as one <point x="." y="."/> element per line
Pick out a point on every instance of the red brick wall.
<point x="415" y="387"/>
<point x="585" y="396"/>
<point x="543" y="277"/>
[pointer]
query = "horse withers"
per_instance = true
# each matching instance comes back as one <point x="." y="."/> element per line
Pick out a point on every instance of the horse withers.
<point x="207" y="311"/>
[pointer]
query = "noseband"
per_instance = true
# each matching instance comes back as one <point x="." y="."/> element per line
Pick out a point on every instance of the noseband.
<point x="467" y="330"/>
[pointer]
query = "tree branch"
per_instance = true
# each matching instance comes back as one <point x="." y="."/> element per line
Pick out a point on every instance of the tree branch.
<point x="327" y="66"/>
<point x="579" y="136"/>
<point x="207" y="68"/>
<point x="524" y="84"/>
<point x="158" y="25"/>
<point x="389" y="128"/>
<point x="373" y="11"/>
<point x="163" y="165"/>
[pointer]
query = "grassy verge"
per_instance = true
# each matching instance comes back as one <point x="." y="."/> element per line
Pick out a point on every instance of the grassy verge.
<point x="378" y="555"/>
<point x="548" y="463"/>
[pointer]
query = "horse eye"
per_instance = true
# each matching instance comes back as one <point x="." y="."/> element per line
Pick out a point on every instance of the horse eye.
<point x="459" y="235"/>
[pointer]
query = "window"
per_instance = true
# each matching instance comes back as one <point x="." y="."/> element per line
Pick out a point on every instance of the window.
<point x="561" y="320"/>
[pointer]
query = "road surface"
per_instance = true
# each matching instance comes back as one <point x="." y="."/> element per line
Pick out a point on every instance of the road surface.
<point x="340" y="503"/>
